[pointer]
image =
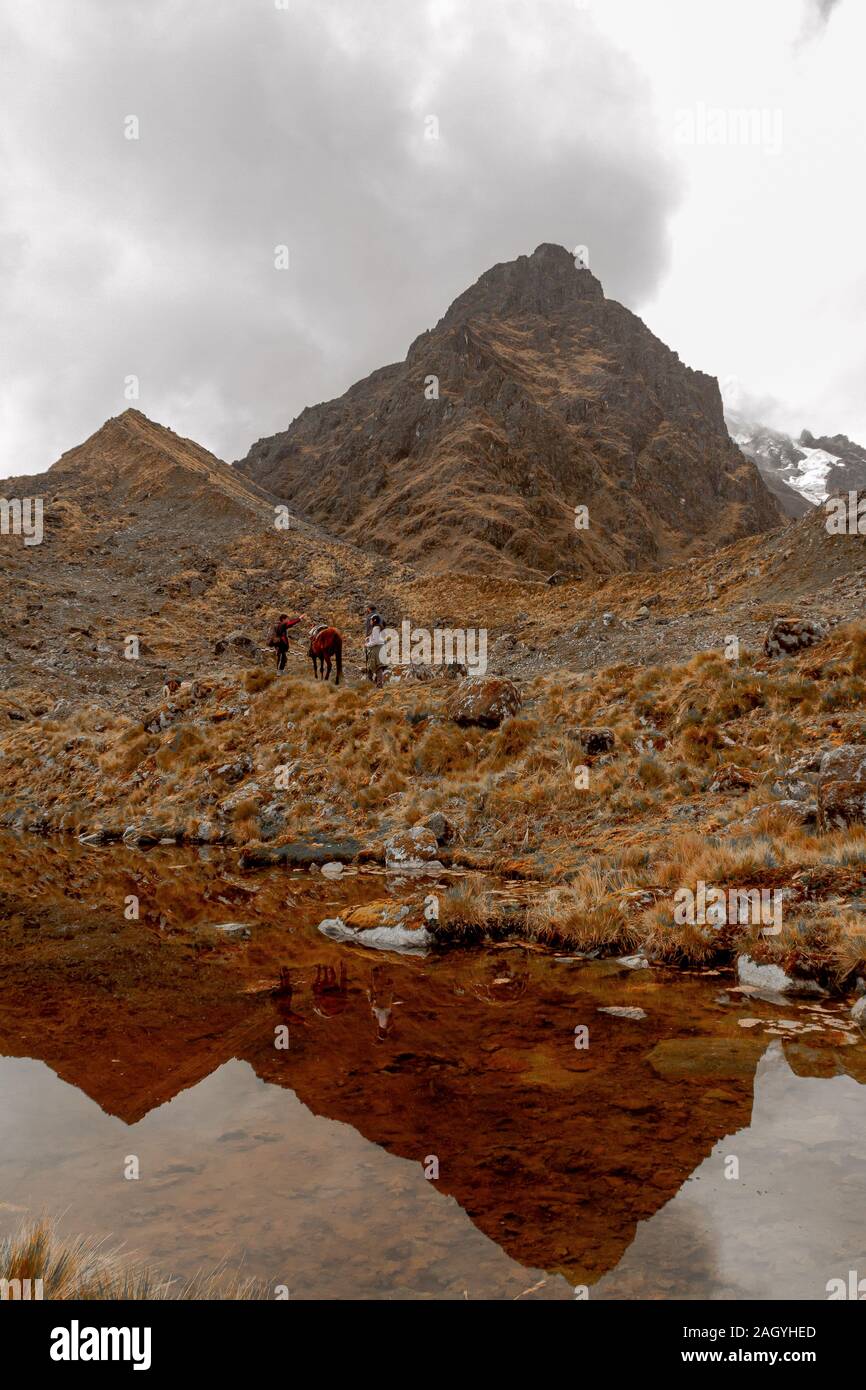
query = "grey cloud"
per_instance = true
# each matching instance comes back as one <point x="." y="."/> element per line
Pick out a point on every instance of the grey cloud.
<point x="816" y="19"/>
<point x="306" y="127"/>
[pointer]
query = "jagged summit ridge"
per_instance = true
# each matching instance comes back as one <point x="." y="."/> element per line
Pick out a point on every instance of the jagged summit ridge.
<point x="548" y="281"/>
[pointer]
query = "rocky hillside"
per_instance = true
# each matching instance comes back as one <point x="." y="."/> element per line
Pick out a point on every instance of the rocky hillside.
<point x="185" y="557"/>
<point x="534" y="395"/>
<point x="148" y="534"/>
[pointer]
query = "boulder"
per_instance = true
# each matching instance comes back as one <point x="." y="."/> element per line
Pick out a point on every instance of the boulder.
<point x="595" y="741"/>
<point x="847" y="763"/>
<point x="842" y="786"/>
<point x="731" y="778"/>
<point x="805" y="813"/>
<point x="485" y="702"/>
<point x="773" y="978"/>
<point x="411" y="849"/>
<point x="441" y="827"/>
<point x="637" y="962"/>
<point x="785" y="636"/>
<point x="237" y="642"/>
<point x="841" y="803"/>
<point x="386" y="924"/>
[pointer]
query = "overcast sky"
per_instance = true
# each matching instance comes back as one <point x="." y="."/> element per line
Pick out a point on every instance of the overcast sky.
<point x="305" y="123"/>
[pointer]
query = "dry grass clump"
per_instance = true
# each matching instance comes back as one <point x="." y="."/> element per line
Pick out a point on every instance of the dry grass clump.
<point x="651" y="772"/>
<point x="258" y="679"/>
<point x="673" y="943"/>
<point x="81" y="1268"/>
<point x="857" y="659"/>
<point x="129" y="750"/>
<point x="585" y="915"/>
<point x="184" y="750"/>
<point x="465" y="911"/>
<point x="443" y="748"/>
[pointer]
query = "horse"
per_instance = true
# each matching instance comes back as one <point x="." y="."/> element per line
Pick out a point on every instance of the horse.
<point x="326" y="644"/>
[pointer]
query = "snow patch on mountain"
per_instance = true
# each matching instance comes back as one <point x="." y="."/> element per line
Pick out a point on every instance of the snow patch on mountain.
<point x="810" y="476"/>
<point x="801" y="467"/>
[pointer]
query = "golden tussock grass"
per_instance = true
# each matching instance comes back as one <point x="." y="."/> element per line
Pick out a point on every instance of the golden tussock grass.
<point x="258" y="679"/>
<point x="585" y="914"/>
<point x="465" y="911"/>
<point x="81" y="1267"/>
<point x="857" y="658"/>
<point x="673" y="943"/>
<point x="443" y="749"/>
<point x="513" y="739"/>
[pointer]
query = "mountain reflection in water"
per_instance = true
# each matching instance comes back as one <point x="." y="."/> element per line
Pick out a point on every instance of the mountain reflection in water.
<point x="557" y="1167"/>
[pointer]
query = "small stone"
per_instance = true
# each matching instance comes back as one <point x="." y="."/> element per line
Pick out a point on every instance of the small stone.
<point x="634" y="962"/>
<point x="235" y="931"/>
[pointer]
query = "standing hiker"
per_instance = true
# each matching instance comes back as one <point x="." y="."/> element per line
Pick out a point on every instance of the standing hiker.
<point x="371" y="619"/>
<point x="278" y="637"/>
<point x="373" y="652"/>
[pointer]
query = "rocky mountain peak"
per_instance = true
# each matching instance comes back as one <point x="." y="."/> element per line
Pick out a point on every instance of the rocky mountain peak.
<point x="546" y="283"/>
<point x="533" y="396"/>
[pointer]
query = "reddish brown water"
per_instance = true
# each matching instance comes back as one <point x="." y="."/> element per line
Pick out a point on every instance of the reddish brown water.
<point x="678" y="1155"/>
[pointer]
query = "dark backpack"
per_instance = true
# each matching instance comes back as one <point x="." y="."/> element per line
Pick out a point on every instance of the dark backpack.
<point x="276" y="635"/>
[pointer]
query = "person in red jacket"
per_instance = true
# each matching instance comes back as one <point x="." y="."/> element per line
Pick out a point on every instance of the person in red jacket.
<point x="279" y="637"/>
